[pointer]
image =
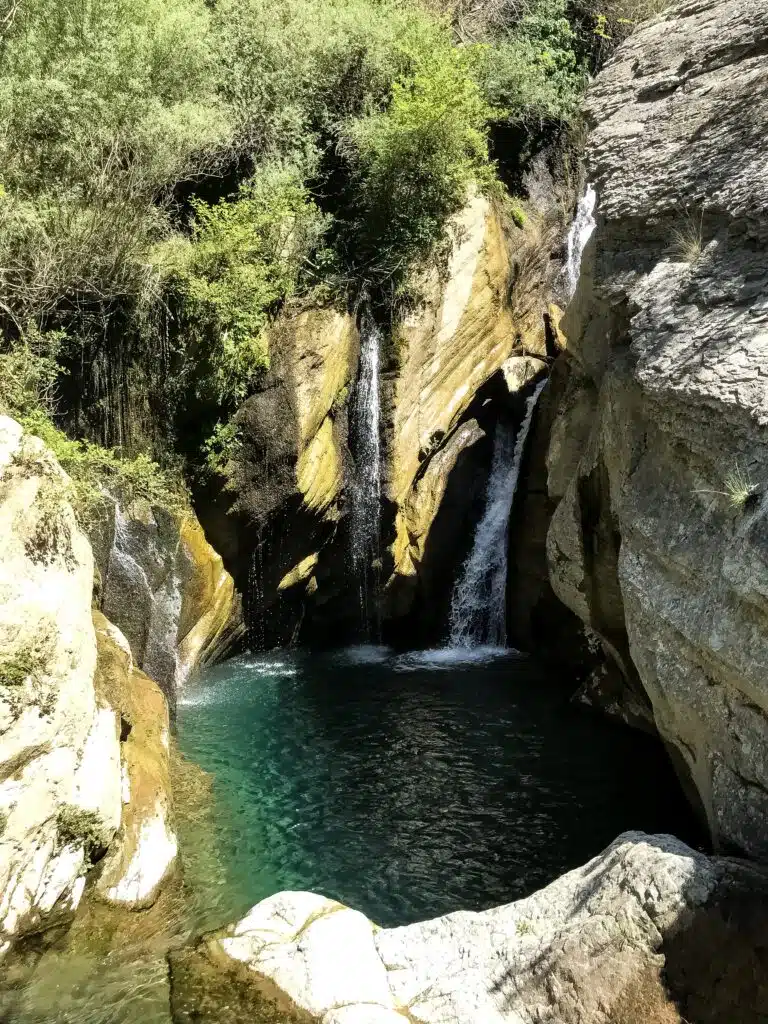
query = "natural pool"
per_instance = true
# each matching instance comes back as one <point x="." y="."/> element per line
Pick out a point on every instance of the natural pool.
<point x="407" y="786"/>
<point x="410" y="786"/>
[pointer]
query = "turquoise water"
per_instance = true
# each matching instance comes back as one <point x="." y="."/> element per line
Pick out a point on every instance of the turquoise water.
<point x="408" y="786"/>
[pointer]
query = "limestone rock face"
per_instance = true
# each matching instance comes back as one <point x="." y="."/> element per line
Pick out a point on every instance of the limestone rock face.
<point x="660" y="455"/>
<point x="165" y="588"/>
<point x="144" y="851"/>
<point x="445" y="354"/>
<point x="576" y="952"/>
<point x="59" y="743"/>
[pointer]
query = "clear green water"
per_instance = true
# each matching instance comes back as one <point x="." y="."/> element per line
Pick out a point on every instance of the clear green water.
<point x="407" y="787"/>
<point x="410" y="786"/>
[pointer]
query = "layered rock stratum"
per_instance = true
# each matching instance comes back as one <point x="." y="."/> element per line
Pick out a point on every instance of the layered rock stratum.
<point x="659" y="455"/>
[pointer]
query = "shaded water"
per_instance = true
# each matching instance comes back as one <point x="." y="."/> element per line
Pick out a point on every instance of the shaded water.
<point x="411" y="786"/>
<point x="479" y="606"/>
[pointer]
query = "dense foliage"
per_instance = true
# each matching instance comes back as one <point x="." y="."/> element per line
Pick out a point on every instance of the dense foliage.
<point x="173" y="171"/>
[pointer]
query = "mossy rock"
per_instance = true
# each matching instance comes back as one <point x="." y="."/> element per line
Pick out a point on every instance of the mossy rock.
<point x="210" y="988"/>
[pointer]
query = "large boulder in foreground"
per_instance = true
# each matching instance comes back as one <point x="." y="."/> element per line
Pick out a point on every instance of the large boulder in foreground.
<point x="660" y="453"/>
<point x="588" y="949"/>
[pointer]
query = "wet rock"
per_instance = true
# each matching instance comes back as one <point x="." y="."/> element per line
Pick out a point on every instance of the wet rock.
<point x="165" y="588"/>
<point x="660" y="454"/>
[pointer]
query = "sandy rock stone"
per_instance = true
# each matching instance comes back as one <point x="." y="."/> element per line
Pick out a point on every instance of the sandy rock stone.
<point x="519" y="371"/>
<point x="143" y="853"/>
<point x="661" y="452"/>
<point x="446" y="353"/>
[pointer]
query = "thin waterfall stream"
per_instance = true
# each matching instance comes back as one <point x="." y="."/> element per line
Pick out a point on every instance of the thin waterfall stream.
<point x="579" y="234"/>
<point x="365" y="513"/>
<point x="478" y="608"/>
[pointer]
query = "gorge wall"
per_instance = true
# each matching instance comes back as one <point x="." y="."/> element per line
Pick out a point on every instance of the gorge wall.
<point x="659" y="453"/>
<point x="84" y="732"/>
<point x="284" y="525"/>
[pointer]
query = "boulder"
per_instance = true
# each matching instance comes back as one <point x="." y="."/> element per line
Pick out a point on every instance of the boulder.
<point x="590" y="948"/>
<point x="659" y="456"/>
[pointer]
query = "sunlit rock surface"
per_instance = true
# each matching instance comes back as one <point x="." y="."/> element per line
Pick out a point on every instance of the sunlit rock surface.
<point x="660" y="453"/>
<point x="59" y="744"/>
<point x="143" y="852"/>
<point x="587" y="948"/>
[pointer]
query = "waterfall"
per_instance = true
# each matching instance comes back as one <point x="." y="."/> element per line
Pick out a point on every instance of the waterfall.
<point x="581" y="231"/>
<point x="478" y="607"/>
<point x="365" y="509"/>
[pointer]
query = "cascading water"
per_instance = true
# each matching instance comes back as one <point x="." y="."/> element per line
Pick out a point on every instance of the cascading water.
<point x="581" y="231"/>
<point x="365" y="512"/>
<point x="478" y="607"/>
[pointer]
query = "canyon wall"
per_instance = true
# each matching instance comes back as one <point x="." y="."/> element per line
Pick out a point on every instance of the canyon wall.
<point x="84" y="733"/>
<point x="659" y="453"/>
<point x="284" y="525"/>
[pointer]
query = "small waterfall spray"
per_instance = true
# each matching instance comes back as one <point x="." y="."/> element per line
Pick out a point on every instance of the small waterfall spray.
<point x="580" y="232"/>
<point x="365" y="513"/>
<point x="478" y="607"/>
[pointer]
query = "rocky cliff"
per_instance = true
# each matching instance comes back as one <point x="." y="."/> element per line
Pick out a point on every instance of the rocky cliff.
<point x="659" y="456"/>
<point x="285" y="526"/>
<point x="84" y="734"/>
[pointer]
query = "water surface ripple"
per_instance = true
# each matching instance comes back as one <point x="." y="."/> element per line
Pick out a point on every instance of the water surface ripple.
<point x="410" y="786"/>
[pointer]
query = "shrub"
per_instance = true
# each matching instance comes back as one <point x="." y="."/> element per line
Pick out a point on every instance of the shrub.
<point x="102" y="107"/>
<point x="76" y="826"/>
<point x="244" y="257"/>
<point x="531" y="71"/>
<point x="93" y="468"/>
<point x="415" y="163"/>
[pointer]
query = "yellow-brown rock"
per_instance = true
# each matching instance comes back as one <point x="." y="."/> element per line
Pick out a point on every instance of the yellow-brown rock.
<point x="144" y="851"/>
<point x="446" y="353"/>
<point x="321" y="347"/>
<point x="210" y="604"/>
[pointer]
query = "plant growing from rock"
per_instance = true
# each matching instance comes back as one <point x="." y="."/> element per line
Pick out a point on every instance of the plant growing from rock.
<point x="76" y="826"/>
<point x="688" y="241"/>
<point x="738" y="488"/>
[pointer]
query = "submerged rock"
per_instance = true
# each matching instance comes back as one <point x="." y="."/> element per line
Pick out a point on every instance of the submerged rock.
<point x="588" y="949"/>
<point x="660" y="453"/>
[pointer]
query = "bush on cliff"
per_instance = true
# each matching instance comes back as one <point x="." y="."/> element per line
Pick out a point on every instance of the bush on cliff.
<point x="172" y="171"/>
